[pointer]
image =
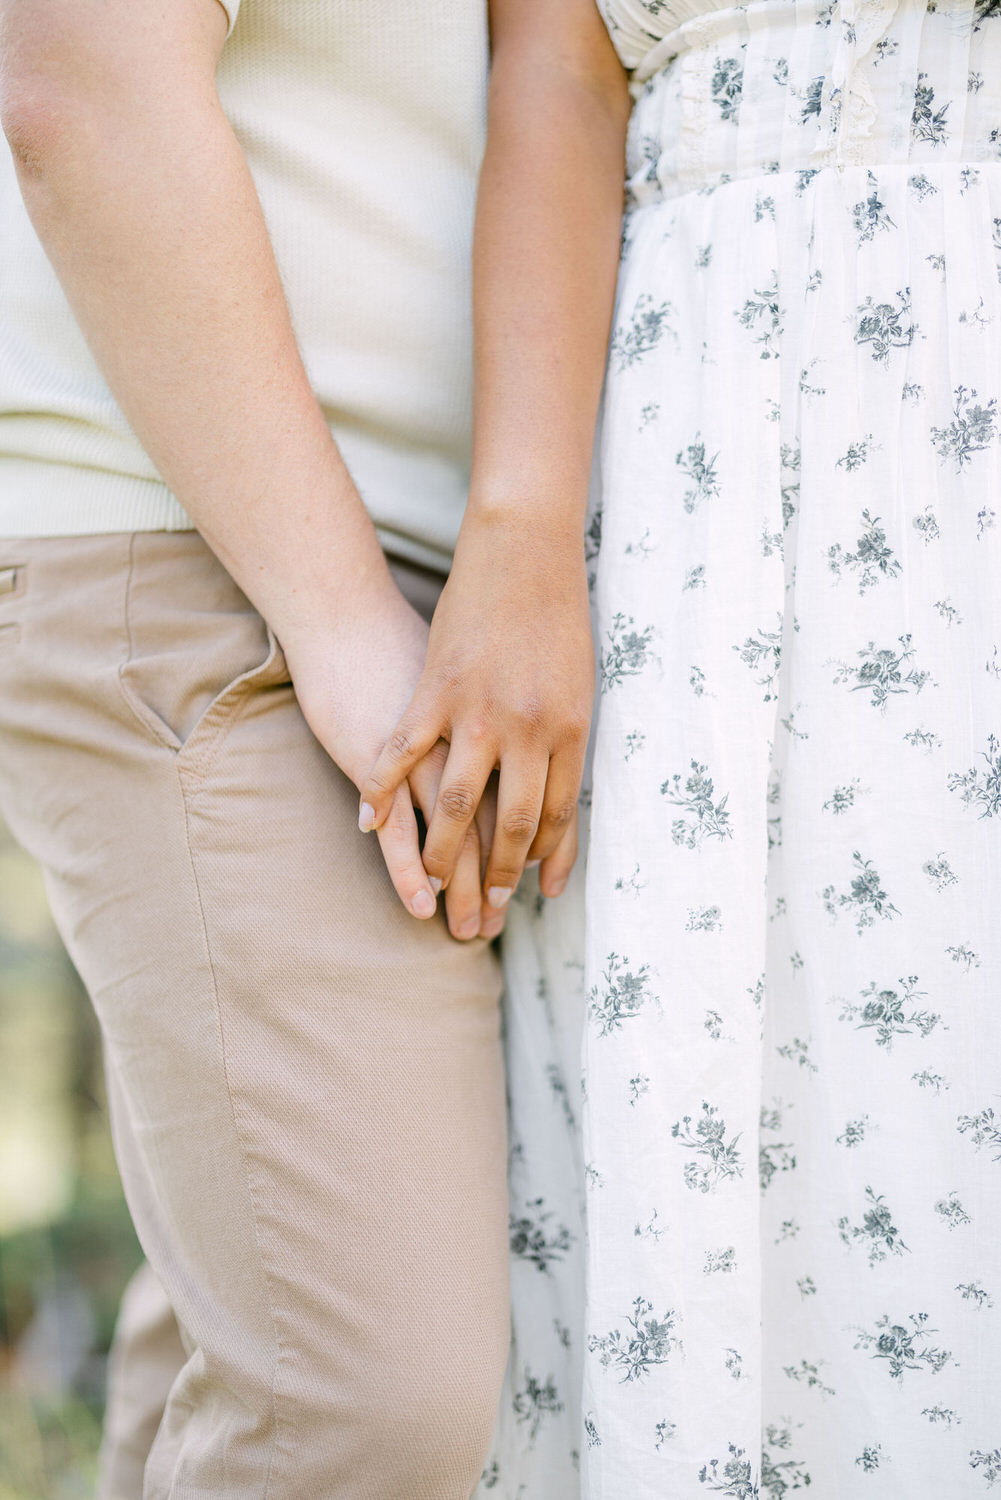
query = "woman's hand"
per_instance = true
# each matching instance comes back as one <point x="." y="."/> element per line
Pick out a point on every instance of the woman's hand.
<point x="509" y="676"/>
<point x="508" y="682"/>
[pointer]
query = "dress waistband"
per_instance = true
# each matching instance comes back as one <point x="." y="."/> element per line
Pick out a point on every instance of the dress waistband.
<point x="800" y="85"/>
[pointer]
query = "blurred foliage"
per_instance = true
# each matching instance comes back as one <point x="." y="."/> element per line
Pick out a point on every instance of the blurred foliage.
<point x="66" y="1242"/>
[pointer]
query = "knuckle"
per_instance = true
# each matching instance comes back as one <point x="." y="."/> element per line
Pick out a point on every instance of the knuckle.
<point x="502" y="875"/>
<point x="559" y="816"/>
<point x="401" y="743"/>
<point x="456" y="802"/>
<point x="399" y="820"/>
<point x="577" y="727"/>
<point x="530" y="715"/>
<point x="519" y="825"/>
<point x="437" y="756"/>
<point x="479" y="730"/>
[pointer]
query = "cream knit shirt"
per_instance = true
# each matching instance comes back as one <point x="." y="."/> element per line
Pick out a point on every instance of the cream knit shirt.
<point x="362" y="122"/>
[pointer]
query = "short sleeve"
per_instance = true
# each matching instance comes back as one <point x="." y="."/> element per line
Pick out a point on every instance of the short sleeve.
<point x="231" y="7"/>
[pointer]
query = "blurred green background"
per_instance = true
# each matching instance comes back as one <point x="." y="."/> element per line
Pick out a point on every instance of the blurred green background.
<point x="66" y="1243"/>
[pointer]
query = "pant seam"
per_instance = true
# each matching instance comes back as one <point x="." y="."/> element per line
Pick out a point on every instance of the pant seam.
<point x="143" y="715"/>
<point x="279" y="1348"/>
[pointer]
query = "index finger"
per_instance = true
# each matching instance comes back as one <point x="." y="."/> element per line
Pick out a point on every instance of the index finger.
<point x="398" y="839"/>
<point x="414" y="736"/>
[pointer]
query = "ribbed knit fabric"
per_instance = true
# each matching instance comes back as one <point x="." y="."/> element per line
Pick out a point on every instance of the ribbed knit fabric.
<point x="363" y="131"/>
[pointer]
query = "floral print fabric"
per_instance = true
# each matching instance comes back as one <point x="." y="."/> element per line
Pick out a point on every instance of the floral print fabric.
<point x="791" y="1112"/>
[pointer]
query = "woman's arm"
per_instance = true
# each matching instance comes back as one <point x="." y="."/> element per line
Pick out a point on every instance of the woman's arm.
<point x="510" y="674"/>
<point x="145" y="205"/>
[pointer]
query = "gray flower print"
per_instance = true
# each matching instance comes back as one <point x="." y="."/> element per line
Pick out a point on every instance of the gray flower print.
<point x="704" y="919"/>
<point x="856" y="455"/>
<point x="808" y="1373"/>
<point x="643" y="332"/>
<point x="972" y="429"/>
<point x="842" y="799"/>
<point x="952" y="1211"/>
<point x="871" y="560"/>
<point x="928" y="1080"/>
<point x="928" y="124"/>
<point x="812" y="100"/>
<point x="904" y="1348"/>
<point x="627" y="651"/>
<point x="941" y="1416"/>
<point x="790" y="458"/>
<point x="774" y="1157"/>
<point x="621" y="996"/>
<point x="892" y="1013"/>
<point x="761" y="315"/>
<point x="921" y="187"/>
<point x="865" y="898"/>
<point x="734" y="1477"/>
<point x="701" y="471"/>
<point x="536" y="1240"/>
<point x="984" y="1129"/>
<point x="648" y="1341"/>
<point x="924" y="739"/>
<point x="978" y="787"/>
<point x="726" y="86"/>
<point x="885" y="327"/>
<point x="870" y="214"/>
<point x="940" y="872"/>
<point x="882" y="672"/>
<point x="877" y="1231"/>
<point x="534" y="1401"/>
<point x="704" y="816"/>
<point x="854" y="1132"/>
<point x="927" y="525"/>
<point x="988" y="1463"/>
<point x="971" y="1291"/>
<point x="718" y="1159"/>
<point x="762" y="652"/>
<point x="781" y="1475"/>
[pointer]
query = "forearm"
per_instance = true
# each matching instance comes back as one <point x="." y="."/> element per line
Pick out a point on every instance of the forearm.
<point x="144" y="203"/>
<point x="546" y="253"/>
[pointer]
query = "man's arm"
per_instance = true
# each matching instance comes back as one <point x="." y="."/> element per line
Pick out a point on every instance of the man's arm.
<point x="509" y="676"/>
<point x="144" y="202"/>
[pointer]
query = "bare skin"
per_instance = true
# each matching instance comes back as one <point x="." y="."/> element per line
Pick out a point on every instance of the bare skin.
<point x="171" y="275"/>
<point x="509" y="676"/>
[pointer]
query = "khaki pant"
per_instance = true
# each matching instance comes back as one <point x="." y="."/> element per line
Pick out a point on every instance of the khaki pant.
<point x="306" y="1083"/>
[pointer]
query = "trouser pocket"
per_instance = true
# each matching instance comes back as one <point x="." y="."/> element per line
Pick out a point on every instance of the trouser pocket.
<point x="196" y="649"/>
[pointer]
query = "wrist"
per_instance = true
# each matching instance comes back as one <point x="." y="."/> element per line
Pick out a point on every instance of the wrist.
<point x="334" y="603"/>
<point x="555" y="516"/>
<point x="317" y="572"/>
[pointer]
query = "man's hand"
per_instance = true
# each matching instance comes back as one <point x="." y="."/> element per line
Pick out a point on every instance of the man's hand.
<point x="144" y="202"/>
<point x="508" y="682"/>
<point x="352" y="680"/>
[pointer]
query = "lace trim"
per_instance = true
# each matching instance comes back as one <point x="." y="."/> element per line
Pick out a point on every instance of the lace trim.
<point x="849" y="104"/>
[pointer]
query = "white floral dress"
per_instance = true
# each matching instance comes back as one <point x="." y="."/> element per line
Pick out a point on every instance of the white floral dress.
<point x="791" y="1114"/>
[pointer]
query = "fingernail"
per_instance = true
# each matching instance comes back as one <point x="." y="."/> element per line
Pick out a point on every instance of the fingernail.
<point x="366" y="817"/>
<point x="532" y="864"/>
<point x="498" y="896"/>
<point x="469" y="929"/>
<point x="423" y="904"/>
<point x="557" y="887"/>
<point x="434" y="883"/>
